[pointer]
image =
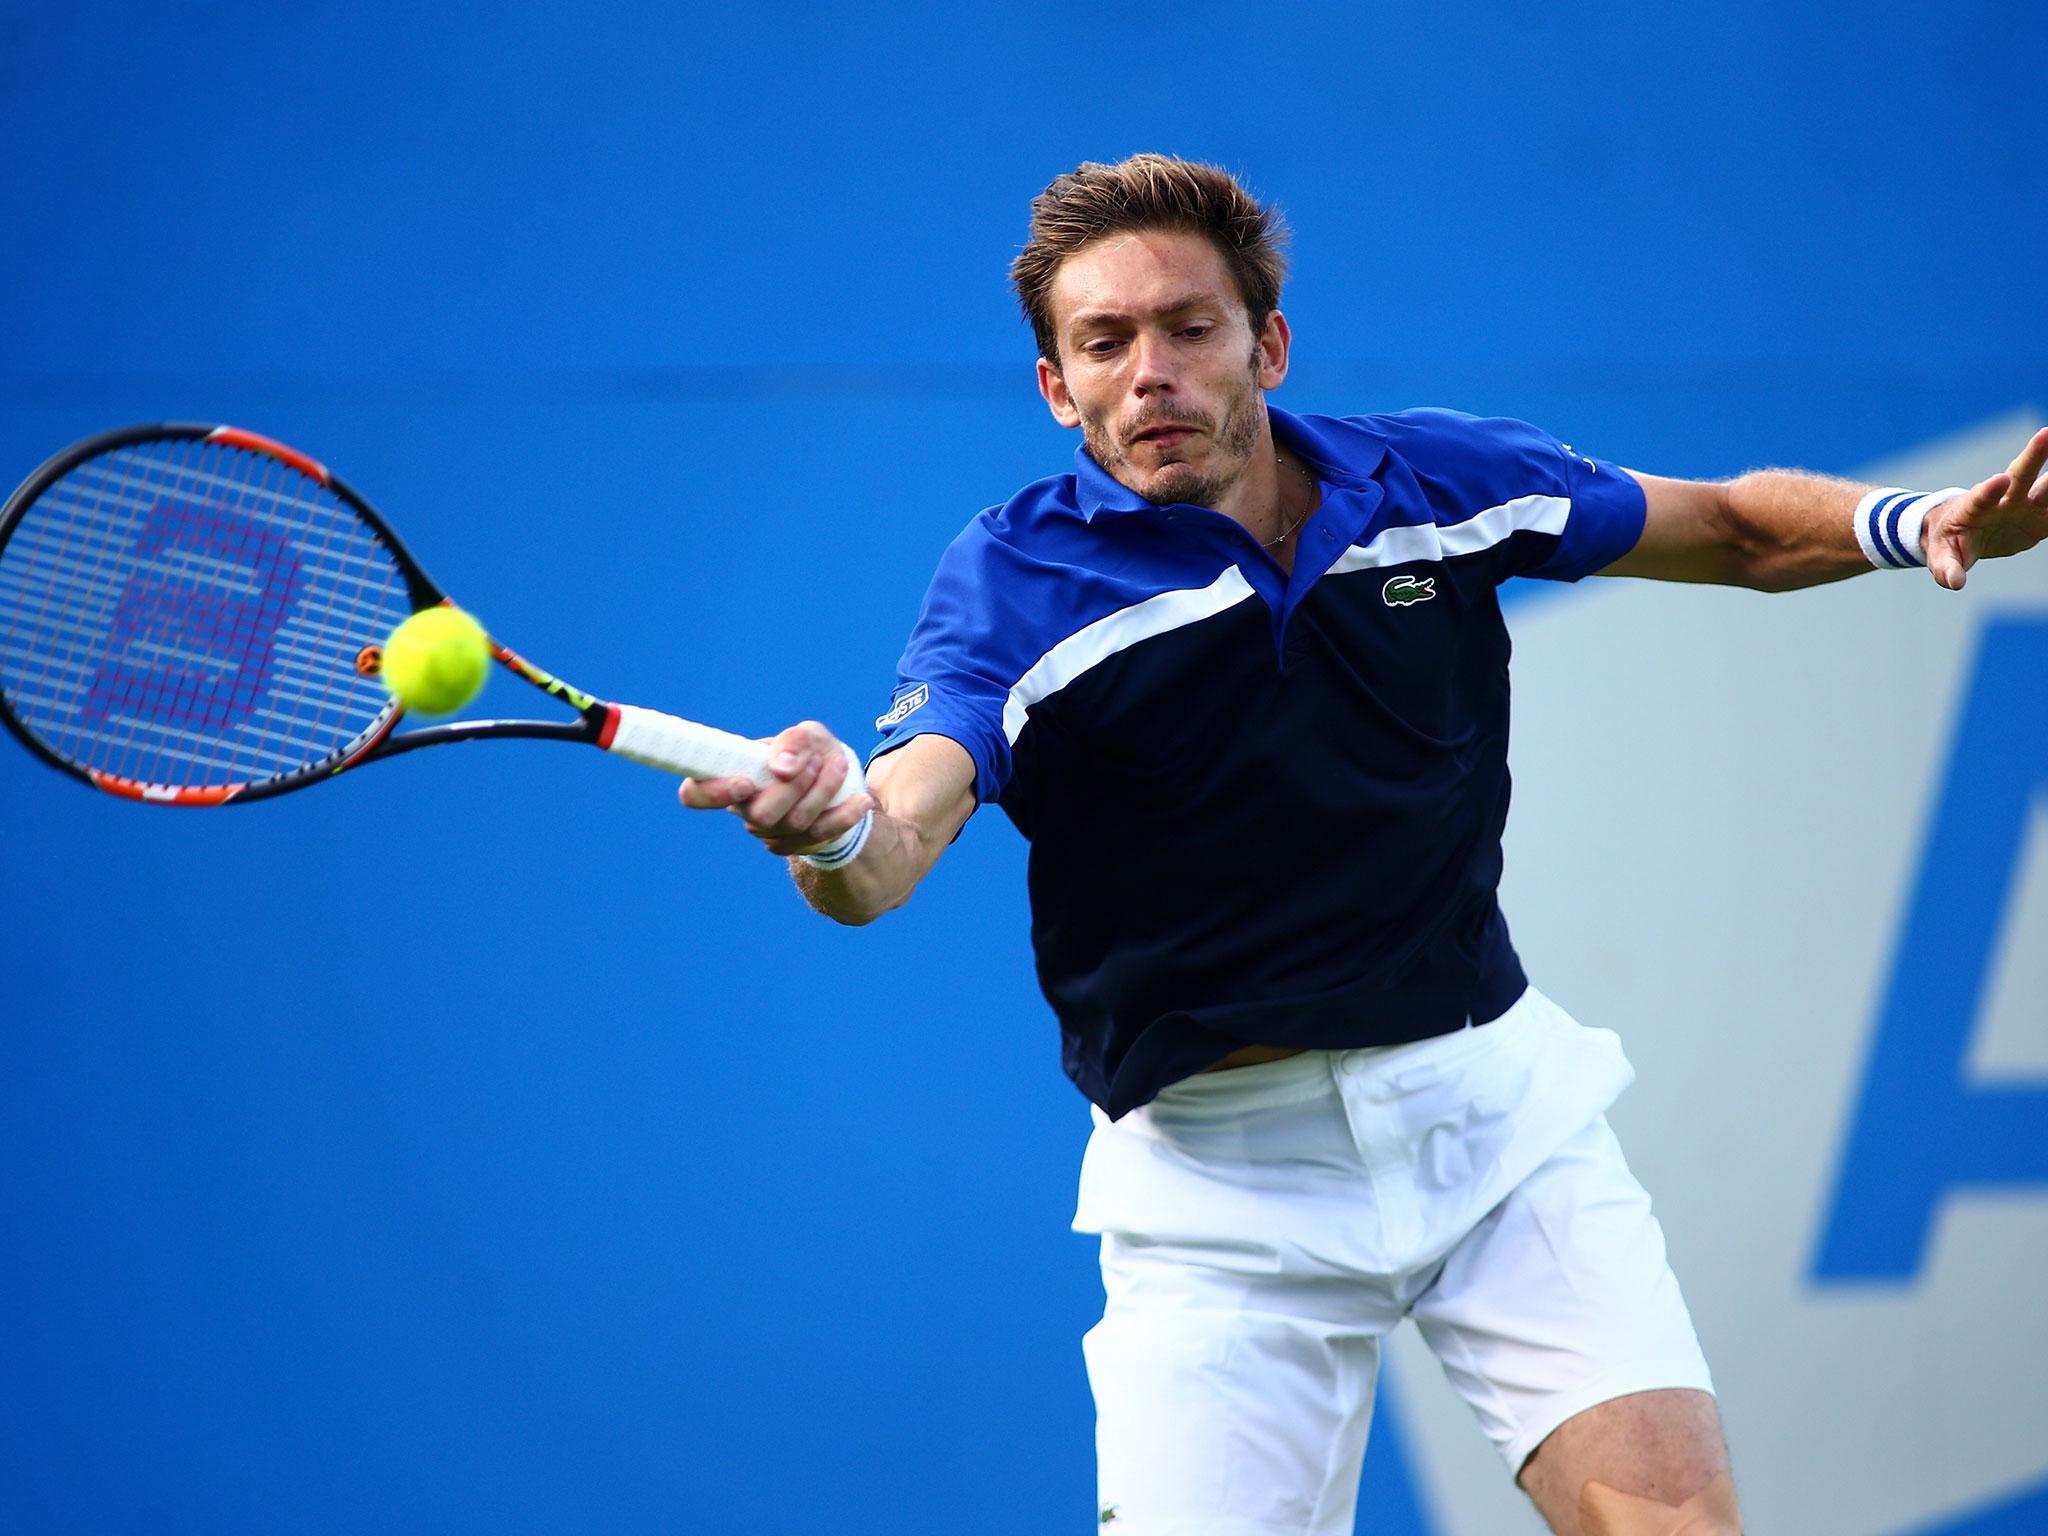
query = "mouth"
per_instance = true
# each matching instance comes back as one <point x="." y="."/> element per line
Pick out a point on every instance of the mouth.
<point x="1166" y="434"/>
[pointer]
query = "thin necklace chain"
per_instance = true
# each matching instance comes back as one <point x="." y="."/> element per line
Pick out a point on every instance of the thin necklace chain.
<point x="1288" y="532"/>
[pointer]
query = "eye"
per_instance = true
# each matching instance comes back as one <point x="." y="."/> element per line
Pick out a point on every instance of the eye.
<point x="1101" y="346"/>
<point x="1198" y="330"/>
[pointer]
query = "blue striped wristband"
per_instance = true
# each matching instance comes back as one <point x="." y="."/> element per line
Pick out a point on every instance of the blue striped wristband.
<point x="844" y="848"/>
<point x="1888" y="524"/>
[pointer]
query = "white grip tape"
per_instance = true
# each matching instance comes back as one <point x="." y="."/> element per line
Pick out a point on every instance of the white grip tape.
<point x="694" y="751"/>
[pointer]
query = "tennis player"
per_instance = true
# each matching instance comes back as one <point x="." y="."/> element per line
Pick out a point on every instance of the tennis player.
<point x="1241" y="679"/>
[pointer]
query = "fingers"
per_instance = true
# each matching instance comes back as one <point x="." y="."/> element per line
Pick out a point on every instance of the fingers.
<point x="809" y="805"/>
<point x="840" y="818"/>
<point x="1966" y="528"/>
<point x="1945" y="540"/>
<point x="715" y="794"/>
<point x="2026" y="469"/>
<point x="793" y="810"/>
<point x="804" y="737"/>
<point x="795" y="825"/>
<point x="2003" y="515"/>
<point x="771" y="811"/>
<point x="1970" y="507"/>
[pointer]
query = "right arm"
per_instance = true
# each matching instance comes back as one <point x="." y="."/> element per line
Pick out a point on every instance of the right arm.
<point x="921" y="794"/>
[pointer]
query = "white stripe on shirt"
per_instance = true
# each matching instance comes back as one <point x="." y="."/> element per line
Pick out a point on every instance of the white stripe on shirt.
<point x="1115" y="632"/>
<point x="1433" y="541"/>
<point x="1401" y="545"/>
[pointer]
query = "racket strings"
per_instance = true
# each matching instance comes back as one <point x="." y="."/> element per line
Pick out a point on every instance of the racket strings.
<point x="185" y="613"/>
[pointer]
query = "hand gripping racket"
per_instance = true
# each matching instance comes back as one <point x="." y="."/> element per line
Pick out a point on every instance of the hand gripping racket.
<point x="193" y="615"/>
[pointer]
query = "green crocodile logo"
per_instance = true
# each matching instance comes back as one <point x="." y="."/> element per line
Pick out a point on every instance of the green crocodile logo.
<point x="1108" y="1514"/>
<point x="1403" y="590"/>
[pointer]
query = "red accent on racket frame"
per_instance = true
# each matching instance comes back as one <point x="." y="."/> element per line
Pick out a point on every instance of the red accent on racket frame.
<point x="164" y="794"/>
<point x="255" y="442"/>
<point x="611" y="727"/>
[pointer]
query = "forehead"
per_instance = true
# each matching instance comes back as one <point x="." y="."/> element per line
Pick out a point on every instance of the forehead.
<point x="1145" y="271"/>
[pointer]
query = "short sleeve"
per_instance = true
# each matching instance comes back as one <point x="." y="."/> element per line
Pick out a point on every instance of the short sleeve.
<point x="951" y="680"/>
<point x="1603" y="517"/>
<point x="1544" y="508"/>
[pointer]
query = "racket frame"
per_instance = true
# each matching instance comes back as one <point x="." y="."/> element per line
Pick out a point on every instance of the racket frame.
<point x="596" y="722"/>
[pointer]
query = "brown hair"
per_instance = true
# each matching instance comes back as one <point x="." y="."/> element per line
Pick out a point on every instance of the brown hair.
<point x="1149" y="192"/>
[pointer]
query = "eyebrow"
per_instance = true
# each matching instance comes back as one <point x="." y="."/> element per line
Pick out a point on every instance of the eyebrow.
<point x="1090" y="317"/>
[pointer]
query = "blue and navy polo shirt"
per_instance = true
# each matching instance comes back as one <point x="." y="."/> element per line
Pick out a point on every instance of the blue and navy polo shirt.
<point x="1263" y="809"/>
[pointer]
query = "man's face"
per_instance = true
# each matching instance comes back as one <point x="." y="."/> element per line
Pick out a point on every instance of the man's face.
<point x="1159" y="367"/>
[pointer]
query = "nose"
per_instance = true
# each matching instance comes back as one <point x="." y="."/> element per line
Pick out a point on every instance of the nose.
<point x="1151" y="370"/>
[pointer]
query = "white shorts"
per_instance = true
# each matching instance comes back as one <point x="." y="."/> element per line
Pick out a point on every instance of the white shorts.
<point x="1263" y="1227"/>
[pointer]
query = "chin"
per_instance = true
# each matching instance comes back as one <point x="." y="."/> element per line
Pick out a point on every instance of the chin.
<point x="1162" y="485"/>
<point x="1179" y="482"/>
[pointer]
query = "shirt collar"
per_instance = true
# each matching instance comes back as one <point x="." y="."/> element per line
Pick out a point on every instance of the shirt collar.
<point x="1343" y="451"/>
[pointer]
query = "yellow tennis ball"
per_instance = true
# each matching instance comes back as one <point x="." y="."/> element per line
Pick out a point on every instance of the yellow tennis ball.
<point x="436" y="661"/>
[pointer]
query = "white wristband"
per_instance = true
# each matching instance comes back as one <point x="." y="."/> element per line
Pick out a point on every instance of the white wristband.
<point x="844" y="848"/>
<point x="1888" y="524"/>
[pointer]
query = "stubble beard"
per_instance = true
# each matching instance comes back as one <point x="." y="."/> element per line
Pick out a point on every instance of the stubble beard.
<point x="1177" y="482"/>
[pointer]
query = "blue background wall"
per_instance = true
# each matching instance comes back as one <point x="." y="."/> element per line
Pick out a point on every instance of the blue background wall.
<point x="480" y="1144"/>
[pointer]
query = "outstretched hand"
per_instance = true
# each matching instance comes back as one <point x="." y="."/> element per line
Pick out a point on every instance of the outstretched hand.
<point x="1999" y="516"/>
<point x="792" y="813"/>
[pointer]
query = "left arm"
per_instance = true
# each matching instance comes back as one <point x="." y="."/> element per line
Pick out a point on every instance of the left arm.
<point x="1776" y="530"/>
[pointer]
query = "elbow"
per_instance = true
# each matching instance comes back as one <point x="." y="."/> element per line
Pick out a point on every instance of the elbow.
<point x="850" y="908"/>
<point x="1750" y="553"/>
<point x="1779" y="568"/>
<point x="1773" y="572"/>
<point x="859" y="916"/>
<point x="853" y="917"/>
<point x="1779" y="581"/>
<point x="1754" y="555"/>
<point x="1766" y="547"/>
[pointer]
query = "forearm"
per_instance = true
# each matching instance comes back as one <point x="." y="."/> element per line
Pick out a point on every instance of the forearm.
<point x="919" y="796"/>
<point x="897" y="856"/>
<point x="923" y="794"/>
<point x="1788" y="529"/>
<point x="1774" y="530"/>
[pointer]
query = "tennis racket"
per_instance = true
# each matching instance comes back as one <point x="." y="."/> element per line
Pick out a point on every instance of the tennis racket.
<point x="193" y="615"/>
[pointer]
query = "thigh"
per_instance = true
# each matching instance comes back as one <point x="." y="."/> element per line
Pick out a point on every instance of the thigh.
<point x="1561" y="1299"/>
<point x="1228" y="1421"/>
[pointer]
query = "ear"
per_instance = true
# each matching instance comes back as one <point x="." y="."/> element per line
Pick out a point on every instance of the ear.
<point x="1061" y="403"/>
<point x="1274" y="342"/>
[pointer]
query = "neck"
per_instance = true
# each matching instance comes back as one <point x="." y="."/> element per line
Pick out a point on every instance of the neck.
<point x="1256" y="498"/>
<point x="1280" y="494"/>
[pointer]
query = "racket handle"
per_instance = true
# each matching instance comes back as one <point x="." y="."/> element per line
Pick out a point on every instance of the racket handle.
<point x="694" y="751"/>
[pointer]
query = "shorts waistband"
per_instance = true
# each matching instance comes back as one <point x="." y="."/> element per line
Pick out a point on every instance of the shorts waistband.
<point x="1294" y="1079"/>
